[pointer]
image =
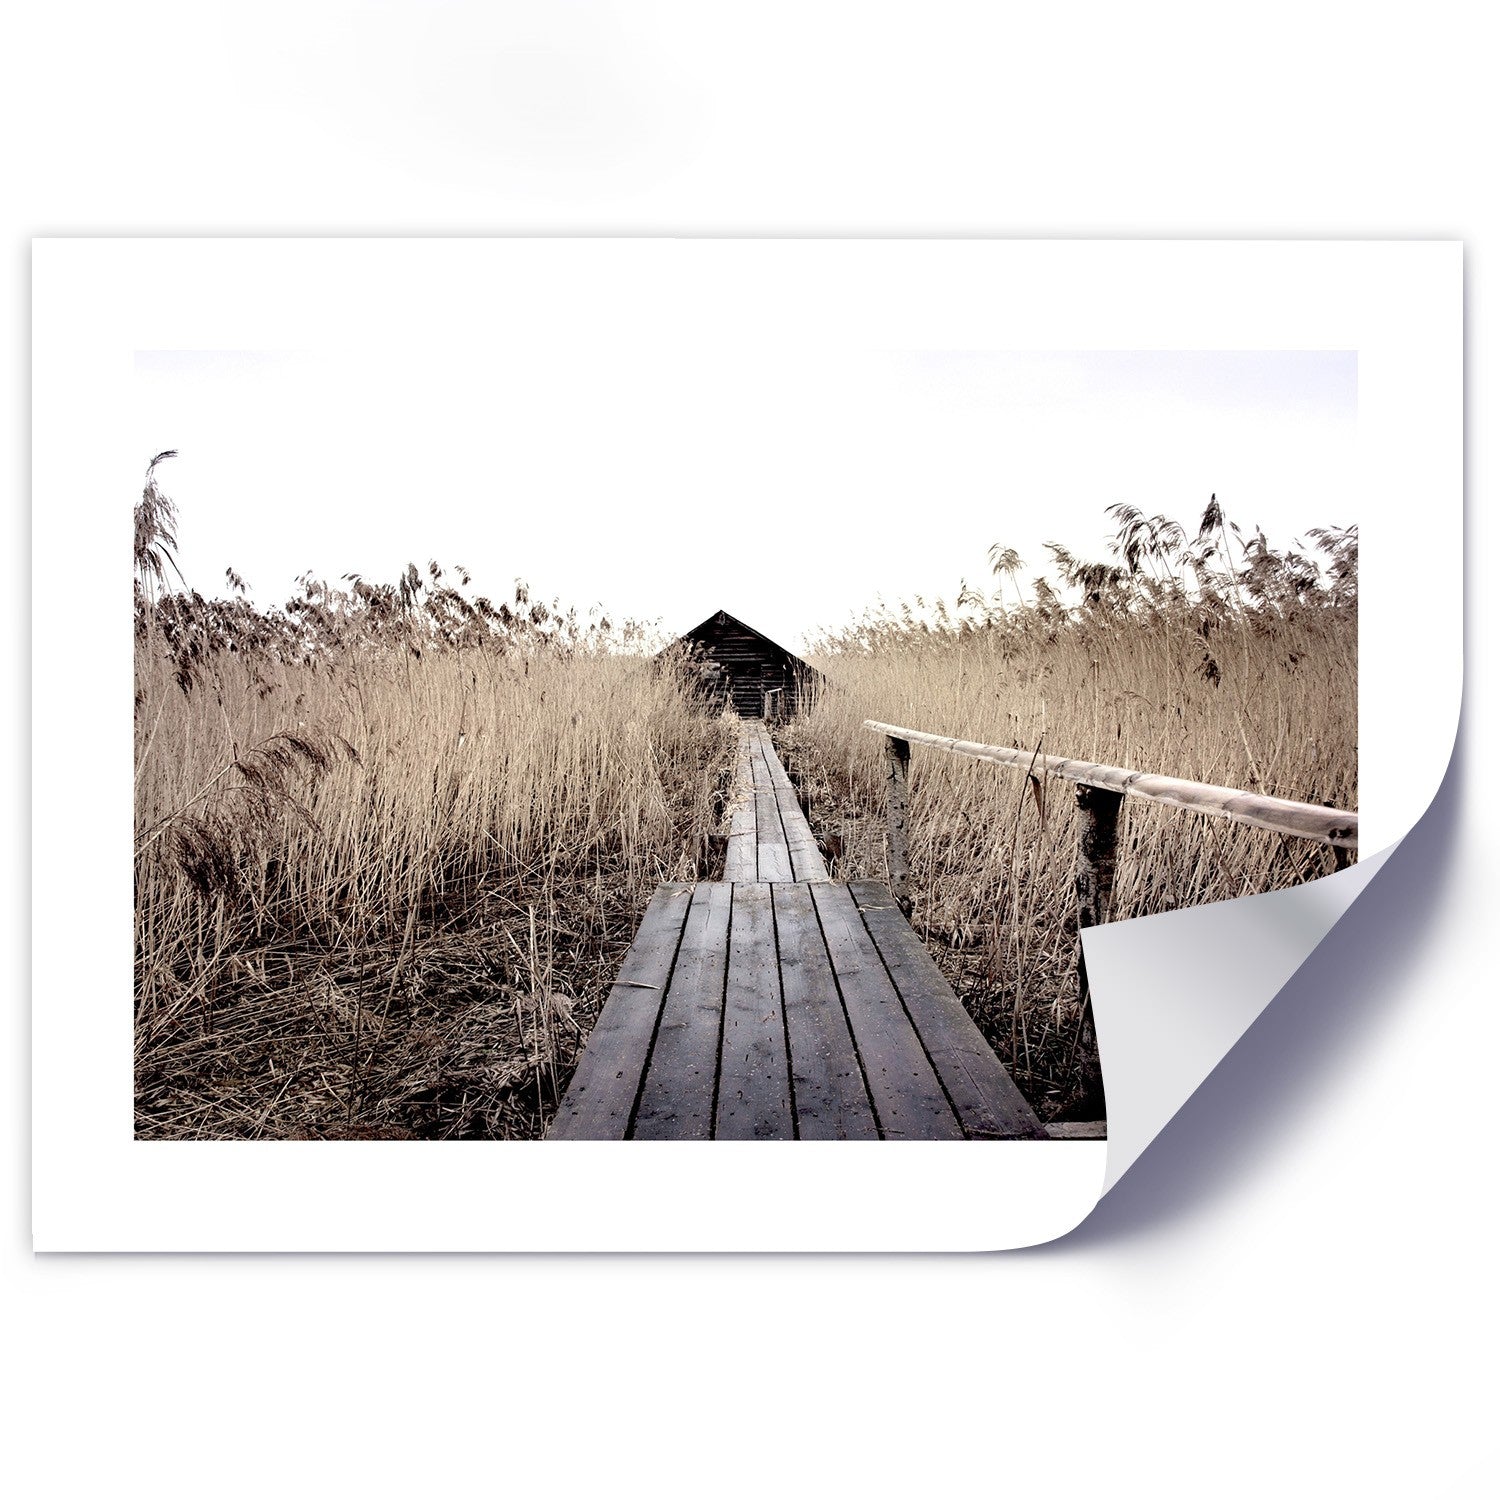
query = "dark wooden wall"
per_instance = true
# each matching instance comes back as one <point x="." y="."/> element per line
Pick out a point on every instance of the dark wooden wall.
<point x="747" y="666"/>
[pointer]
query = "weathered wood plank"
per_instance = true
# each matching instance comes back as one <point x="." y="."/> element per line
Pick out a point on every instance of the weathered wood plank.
<point x="772" y="854"/>
<point x="740" y="855"/>
<point x="773" y="857"/>
<point x="802" y="847"/>
<point x="774" y="860"/>
<point x="769" y="837"/>
<point x="983" y="1094"/>
<point x="1078" y="1130"/>
<point x="792" y="831"/>
<point x="828" y="1089"/>
<point x="740" y="858"/>
<point x="909" y="1100"/>
<point x="754" y="1100"/>
<point x="807" y="862"/>
<point x="599" y="1100"/>
<point x="677" y="1101"/>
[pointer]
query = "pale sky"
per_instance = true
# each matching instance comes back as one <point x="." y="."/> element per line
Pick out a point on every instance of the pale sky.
<point x="790" y="488"/>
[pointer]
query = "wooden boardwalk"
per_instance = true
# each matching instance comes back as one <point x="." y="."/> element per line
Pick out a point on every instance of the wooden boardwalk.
<point x="768" y="835"/>
<point x="778" y="1005"/>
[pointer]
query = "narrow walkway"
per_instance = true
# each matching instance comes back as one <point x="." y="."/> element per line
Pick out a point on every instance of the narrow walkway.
<point x="769" y="837"/>
<point x="778" y="1005"/>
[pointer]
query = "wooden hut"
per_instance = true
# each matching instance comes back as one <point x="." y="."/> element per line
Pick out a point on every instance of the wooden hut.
<point x="740" y="668"/>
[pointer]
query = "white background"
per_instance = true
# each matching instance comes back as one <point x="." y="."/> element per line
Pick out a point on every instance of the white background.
<point x="1286" y="1292"/>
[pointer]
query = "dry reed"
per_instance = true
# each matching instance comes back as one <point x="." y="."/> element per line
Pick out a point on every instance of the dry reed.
<point x="386" y="865"/>
<point x="1220" y="661"/>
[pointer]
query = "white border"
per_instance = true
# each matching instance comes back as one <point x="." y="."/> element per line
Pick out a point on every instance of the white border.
<point x="97" y="301"/>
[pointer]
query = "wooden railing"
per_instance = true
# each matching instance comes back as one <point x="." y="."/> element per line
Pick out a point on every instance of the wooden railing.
<point x="1100" y="791"/>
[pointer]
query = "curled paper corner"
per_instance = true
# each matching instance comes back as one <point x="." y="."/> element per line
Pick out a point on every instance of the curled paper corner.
<point x="1174" y="992"/>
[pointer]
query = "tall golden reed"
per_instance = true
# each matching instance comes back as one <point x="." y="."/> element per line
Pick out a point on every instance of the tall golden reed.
<point x="1217" y="686"/>
<point x="378" y="892"/>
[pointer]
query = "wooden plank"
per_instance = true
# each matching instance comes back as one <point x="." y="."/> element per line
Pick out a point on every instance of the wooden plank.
<point x="773" y="857"/>
<point x="602" y="1094"/>
<point x="765" y="809"/>
<point x="740" y="858"/>
<point x="909" y="1100"/>
<point x="828" y="1089"/>
<point x="807" y="862"/>
<point x="983" y="1094"/>
<point x="774" y="860"/>
<point x="1078" y="1130"/>
<point x="802" y="847"/>
<point x="677" y="1102"/>
<point x="755" y="1101"/>
<point x="740" y="854"/>
<point x="788" y="850"/>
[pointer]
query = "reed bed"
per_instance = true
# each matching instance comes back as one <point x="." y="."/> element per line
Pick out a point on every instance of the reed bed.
<point x="385" y="897"/>
<point x="385" y="868"/>
<point x="1240" y="672"/>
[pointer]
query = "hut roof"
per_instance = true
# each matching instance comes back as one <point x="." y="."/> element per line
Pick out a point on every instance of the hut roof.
<point x="722" y="617"/>
<point x="740" y="667"/>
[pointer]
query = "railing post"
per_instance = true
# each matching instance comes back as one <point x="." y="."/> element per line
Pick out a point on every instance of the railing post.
<point x="1098" y="834"/>
<point x="898" y="758"/>
<point x="1098" y="831"/>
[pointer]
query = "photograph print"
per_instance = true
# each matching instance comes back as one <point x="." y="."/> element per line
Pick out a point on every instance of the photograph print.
<point x="684" y="742"/>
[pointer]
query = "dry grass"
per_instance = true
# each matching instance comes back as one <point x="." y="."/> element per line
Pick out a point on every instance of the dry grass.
<point x="383" y="878"/>
<point x="1237" y="682"/>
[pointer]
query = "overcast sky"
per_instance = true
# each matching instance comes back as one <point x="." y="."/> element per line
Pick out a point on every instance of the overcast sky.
<point x="790" y="489"/>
